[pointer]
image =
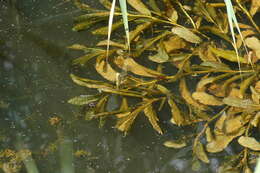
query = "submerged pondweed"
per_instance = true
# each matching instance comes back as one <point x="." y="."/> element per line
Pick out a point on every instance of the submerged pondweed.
<point x="180" y="46"/>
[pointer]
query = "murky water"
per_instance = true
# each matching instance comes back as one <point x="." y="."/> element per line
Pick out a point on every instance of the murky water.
<point x="35" y="86"/>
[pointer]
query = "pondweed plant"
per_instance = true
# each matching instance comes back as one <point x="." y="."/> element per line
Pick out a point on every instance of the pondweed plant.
<point x="178" y="46"/>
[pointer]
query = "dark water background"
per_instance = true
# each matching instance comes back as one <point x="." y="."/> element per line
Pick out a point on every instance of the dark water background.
<point x="35" y="83"/>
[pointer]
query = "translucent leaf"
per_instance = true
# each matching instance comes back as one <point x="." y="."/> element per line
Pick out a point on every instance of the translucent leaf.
<point x="83" y="99"/>
<point x="249" y="142"/>
<point x="186" y="34"/>
<point x="175" y="144"/>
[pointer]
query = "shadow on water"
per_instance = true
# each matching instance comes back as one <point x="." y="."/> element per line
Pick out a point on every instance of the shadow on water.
<point x="35" y="87"/>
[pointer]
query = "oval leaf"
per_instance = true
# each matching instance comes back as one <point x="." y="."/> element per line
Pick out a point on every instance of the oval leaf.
<point x="249" y="142"/>
<point x="175" y="144"/>
<point x="186" y="34"/>
<point x="83" y="99"/>
<point x="206" y="99"/>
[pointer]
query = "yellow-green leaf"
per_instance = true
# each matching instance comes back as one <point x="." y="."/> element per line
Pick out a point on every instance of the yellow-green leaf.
<point x="151" y="115"/>
<point x="106" y="71"/>
<point x="199" y="151"/>
<point x="83" y="99"/>
<point x="249" y="142"/>
<point x="175" y="144"/>
<point x="206" y="99"/>
<point x="140" y="7"/>
<point x="177" y="117"/>
<point x="228" y="55"/>
<point x="186" y="34"/>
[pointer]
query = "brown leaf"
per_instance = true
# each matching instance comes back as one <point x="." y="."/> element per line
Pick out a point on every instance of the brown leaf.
<point x="233" y="124"/>
<point x="185" y="93"/>
<point x="249" y="142"/>
<point x="222" y="141"/>
<point x="186" y="34"/>
<point x="106" y="71"/>
<point x="206" y="99"/>
<point x="136" y="68"/>
<point x="254" y="7"/>
<point x="174" y="43"/>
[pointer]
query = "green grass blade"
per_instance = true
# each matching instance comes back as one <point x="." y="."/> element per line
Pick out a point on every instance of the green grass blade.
<point x="123" y="7"/>
<point x="232" y="20"/>
<point x="110" y="23"/>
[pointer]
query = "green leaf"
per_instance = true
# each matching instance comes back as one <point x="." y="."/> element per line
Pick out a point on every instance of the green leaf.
<point x="228" y="55"/>
<point x="123" y="7"/>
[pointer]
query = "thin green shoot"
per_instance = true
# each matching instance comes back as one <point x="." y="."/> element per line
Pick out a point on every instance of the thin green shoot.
<point x="123" y="7"/>
<point x="232" y="20"/>
<point x="110" y="23"/>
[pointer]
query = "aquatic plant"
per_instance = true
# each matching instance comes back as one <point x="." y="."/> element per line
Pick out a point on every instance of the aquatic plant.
<point x="182" y="60"/>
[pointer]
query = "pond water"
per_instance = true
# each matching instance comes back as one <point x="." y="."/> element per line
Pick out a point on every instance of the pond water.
<point x="35" y="86"/>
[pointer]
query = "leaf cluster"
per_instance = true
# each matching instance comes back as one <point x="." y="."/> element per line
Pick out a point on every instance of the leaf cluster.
<point x="179" y="41"/>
